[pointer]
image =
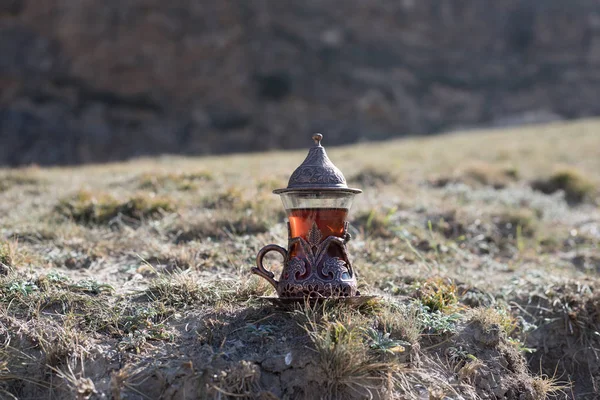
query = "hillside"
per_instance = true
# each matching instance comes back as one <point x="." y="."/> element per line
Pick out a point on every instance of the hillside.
<point x="92" y="81"/>
<point x="132" y="280"/>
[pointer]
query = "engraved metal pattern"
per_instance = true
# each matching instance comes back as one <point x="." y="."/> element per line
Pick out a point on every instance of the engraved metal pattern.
<point x="317" y="172"/>
<point x="316" y="274"/>
<point x="314" y="235"/>
<point x="296" y="267"/>
<point x="321" y="174"/>
<point x="335" y="268"/>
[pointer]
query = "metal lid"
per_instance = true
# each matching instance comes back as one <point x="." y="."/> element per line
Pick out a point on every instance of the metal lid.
<point x="316" y="173"/>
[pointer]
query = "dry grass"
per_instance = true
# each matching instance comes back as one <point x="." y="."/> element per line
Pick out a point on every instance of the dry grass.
<point x="173" y="181"/>
<point x="576" y="186"/>
<point x="19" y="178"/>
<point x="238" y="381"/>
<point x="549" y="388"/>
<point x="402" y="321"/>
<point x="346" y="358"/>
<point x="517" y="222"/>
<point x="438" y="294"/>
<point x="6" y="254"/>
<point x="480" y="173"/>
<point x="371" y="176"/>
<point x="490" y="318"/>
<point x="374" y="223"/>
<point x="86" y="207"/>
<point x="132" y="280"/>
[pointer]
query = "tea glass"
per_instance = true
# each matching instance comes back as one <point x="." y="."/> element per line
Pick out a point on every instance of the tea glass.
<point x="316" y="262"/>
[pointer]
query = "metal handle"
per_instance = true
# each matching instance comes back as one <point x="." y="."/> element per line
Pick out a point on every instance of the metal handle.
<point x="260" y="269"/>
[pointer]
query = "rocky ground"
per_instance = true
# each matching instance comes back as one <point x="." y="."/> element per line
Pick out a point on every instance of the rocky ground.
<point x="206" y="77"/>
<point x="132" y="280"/>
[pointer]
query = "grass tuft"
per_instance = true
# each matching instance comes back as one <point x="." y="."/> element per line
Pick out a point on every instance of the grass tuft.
<point x="438" y="294"/>
<point x="575" y="184"/>
<point x="177" y="289"/>
<point x="237" y="224"/>
<point x="174" y="181"/>
<point x="373" y="176"/>
<point x="375" y="223"/>
<point x="17" y="178"/>
<point x="517" y="222"/>
<point x="238" y="381"/>
<point x="232" y="198"/>
<point x="181" y="289"/>
<point x="402" y="321"/>
<point x="548" y="388"/>
<point x="481" y="173"/>
<point x="89" y="208"/>
<point x="241" y="218"/>
<point x="490" y="317"/>
<point x="345" y="356"/>
<point x="6" y="254"/>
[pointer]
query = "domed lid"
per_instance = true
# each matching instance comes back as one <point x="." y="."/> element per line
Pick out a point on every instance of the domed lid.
<point x="317" y="173"/>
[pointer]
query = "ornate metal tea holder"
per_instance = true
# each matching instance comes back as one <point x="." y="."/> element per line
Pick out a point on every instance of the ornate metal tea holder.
<point x="316" y="263"/>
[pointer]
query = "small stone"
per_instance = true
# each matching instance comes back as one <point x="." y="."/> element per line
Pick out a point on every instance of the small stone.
<point x="483" y="247"/>
<point x="503" y="363"/>
<point x="4" y="269"/>
<point x="424" y="245"/>
<point x="422" y="391"/>
<point x="276" y="364"/>
<point x="271" y="383"/>
<point x="499" y="392"/>
<point x="489" y="337"/>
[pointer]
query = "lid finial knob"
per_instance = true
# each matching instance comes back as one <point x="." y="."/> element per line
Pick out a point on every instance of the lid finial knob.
<point x="317" y="137"/>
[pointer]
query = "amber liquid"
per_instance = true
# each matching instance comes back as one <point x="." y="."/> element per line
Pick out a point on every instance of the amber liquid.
<point x="330" y="222"/>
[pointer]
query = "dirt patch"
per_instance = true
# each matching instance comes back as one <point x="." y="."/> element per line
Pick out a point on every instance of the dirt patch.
<point x="483" y="357"/>
<point x="566" y="339"/>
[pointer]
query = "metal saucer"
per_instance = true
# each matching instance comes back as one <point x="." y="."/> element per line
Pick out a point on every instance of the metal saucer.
<point x="289" y="302"/>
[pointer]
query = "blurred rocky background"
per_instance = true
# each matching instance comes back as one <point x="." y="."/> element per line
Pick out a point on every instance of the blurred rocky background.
<point x="99" y="80"/>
